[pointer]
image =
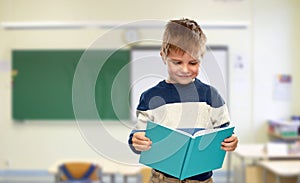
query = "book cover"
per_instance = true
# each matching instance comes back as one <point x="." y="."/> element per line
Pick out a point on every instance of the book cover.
<point x="181" y="154"/>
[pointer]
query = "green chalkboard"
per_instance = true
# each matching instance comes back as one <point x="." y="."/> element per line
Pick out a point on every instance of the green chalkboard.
<point x="43" y="81"/>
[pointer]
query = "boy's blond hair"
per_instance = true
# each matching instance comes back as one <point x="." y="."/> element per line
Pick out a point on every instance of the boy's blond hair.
<point x="183" y="35"/>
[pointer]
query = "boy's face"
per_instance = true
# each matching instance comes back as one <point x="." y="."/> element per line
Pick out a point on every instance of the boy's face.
<point x="182" y="67"/>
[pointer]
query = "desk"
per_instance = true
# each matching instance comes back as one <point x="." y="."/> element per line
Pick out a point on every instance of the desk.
<point x="108" y="168"/>
<point x="284" y="168"/>
<point x="256" y="153"/>
<point x="251" y="151"/>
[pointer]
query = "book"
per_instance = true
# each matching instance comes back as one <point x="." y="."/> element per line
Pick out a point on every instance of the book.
<point x="182" y="155"/>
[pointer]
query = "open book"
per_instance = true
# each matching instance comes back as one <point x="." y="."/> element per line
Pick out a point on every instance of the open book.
<point x="181" y="154"/>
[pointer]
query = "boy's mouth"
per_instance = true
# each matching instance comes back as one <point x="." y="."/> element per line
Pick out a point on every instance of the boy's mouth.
<point x="185" y="76"/>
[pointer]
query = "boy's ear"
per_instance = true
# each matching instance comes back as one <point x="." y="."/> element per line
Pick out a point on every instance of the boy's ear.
<point x="162" y="57"/>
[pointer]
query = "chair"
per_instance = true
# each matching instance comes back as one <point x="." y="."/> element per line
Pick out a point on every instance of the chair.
<point x="79" y="172"/>
<point x="146" y="174"/>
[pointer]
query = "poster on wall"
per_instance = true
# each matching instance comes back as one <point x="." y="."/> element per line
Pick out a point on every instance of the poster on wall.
<point x="282" y="87"/>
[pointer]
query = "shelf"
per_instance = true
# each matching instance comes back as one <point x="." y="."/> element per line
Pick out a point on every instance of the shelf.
<point x="283" y="137"/>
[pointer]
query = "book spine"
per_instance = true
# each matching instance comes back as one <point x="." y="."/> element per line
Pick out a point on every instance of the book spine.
<point x="186" y="157"/>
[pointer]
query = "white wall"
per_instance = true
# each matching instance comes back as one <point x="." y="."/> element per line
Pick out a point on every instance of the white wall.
<point x="275" y="42"/>
<point x="33" y="10"/>
<point x="296" y="57"/>
<point x="33" y="145"/>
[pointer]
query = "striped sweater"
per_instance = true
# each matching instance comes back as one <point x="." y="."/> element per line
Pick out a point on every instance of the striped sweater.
<point x="191" y="107"/>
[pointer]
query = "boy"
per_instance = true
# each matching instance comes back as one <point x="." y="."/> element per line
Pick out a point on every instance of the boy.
<point x="181" y="101"/>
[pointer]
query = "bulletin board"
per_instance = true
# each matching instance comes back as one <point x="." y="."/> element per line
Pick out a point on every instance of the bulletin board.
<point x="42" y="84"/>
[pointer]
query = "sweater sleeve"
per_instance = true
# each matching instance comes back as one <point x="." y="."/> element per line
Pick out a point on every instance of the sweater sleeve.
<point x="219" y="112"/>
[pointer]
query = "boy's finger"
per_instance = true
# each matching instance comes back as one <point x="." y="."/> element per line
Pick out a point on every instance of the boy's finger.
<point x="141" y="136"/>
<point x="142" y="142"/>
<point x="142" y="147"/>
<point x="230" y="139"/>
<point x="226" y="144"/>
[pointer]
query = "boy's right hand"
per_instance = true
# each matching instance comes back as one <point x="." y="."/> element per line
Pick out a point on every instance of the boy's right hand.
<point x="140" y="142"/>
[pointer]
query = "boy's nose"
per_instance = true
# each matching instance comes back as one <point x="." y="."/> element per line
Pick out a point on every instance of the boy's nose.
<point x="185" y="68"/>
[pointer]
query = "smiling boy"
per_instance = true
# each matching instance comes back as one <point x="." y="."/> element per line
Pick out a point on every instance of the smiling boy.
<point x="181" y="100"/>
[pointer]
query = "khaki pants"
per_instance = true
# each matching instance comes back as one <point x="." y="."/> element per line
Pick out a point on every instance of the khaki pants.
<point x="158" y="177"/>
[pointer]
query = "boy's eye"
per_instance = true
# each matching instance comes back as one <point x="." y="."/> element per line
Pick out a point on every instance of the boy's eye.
<point x="194" y="63"/>
<point x="176" y="62"/>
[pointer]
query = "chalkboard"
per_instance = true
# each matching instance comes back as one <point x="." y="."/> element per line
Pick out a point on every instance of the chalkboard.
<point x="42" y="84"/>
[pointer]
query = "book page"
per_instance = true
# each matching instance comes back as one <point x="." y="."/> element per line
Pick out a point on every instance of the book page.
<point x="186" y="131"/>
<point x="179" y="130"/>
<point x="207" y="131"/>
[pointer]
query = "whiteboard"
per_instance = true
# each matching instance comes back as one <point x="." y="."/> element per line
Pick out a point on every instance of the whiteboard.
<point x="147" y="69"/>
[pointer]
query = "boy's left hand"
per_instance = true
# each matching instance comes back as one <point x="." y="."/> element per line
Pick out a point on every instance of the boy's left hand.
<point x="230" y="143"/>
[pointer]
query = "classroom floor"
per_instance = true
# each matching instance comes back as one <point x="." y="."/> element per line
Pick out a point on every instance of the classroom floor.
<point x="42" y="176"/>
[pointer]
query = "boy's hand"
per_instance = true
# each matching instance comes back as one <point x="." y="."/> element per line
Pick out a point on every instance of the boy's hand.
<point x="140" y="142"/>
<point x="230" y="143"/>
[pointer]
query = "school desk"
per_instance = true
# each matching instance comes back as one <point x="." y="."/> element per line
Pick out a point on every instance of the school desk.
<point x="255" y="153"/>
<point x="281" y="168"/>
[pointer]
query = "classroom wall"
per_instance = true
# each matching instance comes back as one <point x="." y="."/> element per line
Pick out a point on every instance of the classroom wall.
<point x="38" y="144"/>
<point x="296" y="63"/>
<point x="80" y="10"/>
<point x="274" y="47"/>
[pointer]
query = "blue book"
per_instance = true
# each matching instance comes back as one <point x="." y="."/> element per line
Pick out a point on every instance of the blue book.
<point x="181" y="154"/>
